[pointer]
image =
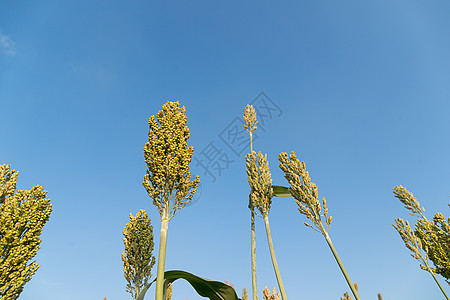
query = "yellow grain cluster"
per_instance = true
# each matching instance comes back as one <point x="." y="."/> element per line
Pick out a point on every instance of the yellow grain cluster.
<point x="23" y="214"/>
<point x="250" y="119"/>
<point x="167" y="154"/>
<point x="268" y="296"/>
<point x="138" y="258"/>
<point x="260" y="181"/>
<point x="304" y="191"/>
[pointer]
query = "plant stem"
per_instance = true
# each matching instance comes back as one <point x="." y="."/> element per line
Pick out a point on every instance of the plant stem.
<point x="274" y="260"/>
<point x="341" y="266"/>
<point x="141" y="294"/>
<point x="253" y="246"/>
<point x="442" y="290"/>
<point x="162" y="257"/>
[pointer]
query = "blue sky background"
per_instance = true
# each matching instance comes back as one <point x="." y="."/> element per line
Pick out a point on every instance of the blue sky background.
<point x="363" y="89"/>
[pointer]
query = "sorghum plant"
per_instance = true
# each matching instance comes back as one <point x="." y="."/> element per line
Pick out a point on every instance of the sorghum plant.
<point x="306" y="196"/>
<point x="244" y="294"/>
<point x="260" y="181"/>
<point x="169" y="292"/>
<point x="250" y="124"/>
<point x="268" y="296"/>
<point x="138" y="258"/>
<point x="347" y="296"/>
<point x="23" y="214"/>
<point x="168" y="180"/>
<point x="435" y="236"/>
<point x="418" y="242"/>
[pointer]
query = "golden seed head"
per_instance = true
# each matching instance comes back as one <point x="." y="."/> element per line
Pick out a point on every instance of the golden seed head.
<point x="250" y="118"/>
<point x="138" y="258"/>
<point x="260" y="181"/>
<point x="169" y="291"/>
<point x="408" y="199"/>
<point x="413" y="243"/>
<point x="244" y="294"/>
<point x="329" y="220"/>
<point x="23" y="215"/>
<point x="325" y="208"/>
<point x="268" y="296"/>
<point x="168" y="156"/>
<point x="8" y="181"/>
<point x="304" y="190"/>
<point x="347" y="297"/>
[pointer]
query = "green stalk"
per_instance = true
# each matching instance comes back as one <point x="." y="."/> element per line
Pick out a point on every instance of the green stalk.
<point x="435" y="279"/>
<point x="253" y="246"/>
<point x="141" y="294"/>
<point x="162" y="257"/>
<point x="341" y="266"/>
<point x="274" y="260"/>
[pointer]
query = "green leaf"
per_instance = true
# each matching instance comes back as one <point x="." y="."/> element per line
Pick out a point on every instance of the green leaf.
<point x="281" y="191"/>
<point x="214" y="290"/>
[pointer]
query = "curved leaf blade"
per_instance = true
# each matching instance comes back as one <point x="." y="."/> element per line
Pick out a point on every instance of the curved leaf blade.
<point x="281" y="191"/>
<point x="214" y="290"/>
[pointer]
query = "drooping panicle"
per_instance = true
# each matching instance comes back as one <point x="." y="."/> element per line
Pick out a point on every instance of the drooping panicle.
<point x="304" y="190"/>
<point x="429" y="240"/>
<point x="413" y="243"/>
<point x="408" y="199"/>
<point x="435" y="235"/>
<point x="306" y="196"/>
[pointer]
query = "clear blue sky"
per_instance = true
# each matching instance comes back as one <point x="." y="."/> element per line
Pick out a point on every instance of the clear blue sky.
<point x="363" y="91"/>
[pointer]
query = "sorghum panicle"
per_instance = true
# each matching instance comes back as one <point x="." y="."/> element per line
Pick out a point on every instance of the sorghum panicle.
<point x="260" y="181"/>
<point x="168" y="156"/>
